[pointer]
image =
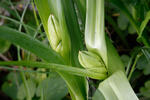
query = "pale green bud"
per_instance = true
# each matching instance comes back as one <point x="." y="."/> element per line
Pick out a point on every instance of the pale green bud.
<point x="54" y="34"/>
<point x="91" y="62"/>
<point x="58" y="37"/>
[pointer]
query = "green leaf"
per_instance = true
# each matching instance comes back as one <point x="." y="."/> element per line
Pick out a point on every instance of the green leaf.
<point x="125" y="59"/>
<point x="122" y="22"/>
<point x="117" y="87"/>
<point x="114" y="61"/>
<point x="4" y="45"/>
<point x="131" y="30"/>
<point x="74" y="30"/>
<point x="10" y="90"/>
<point x="81" y="6"/>
<point x="143" y="64"/>
<point x="10" y="86"/>
<point x="30" y="44"/>
<point x="146" y="89"/>
<point x="52" y="88"/>
<point x="144" y="23"/>
<point x="21" y="94"/>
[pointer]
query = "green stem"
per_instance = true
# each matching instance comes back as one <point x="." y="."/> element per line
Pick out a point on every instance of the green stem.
<point x="58" y="67"/>
<point x="17" y="22"/>
<point x="36" y="18"/>
<point x="133" y="67"/>
<point x="19" y="57"/>
<point x="35" y="15"/>
<point x="128" y="66"/>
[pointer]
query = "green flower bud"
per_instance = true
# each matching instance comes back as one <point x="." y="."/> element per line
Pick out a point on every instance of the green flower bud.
<point x="58" y="37"/>
<point x="92" y="62"/>
<point x="54" y="37"/>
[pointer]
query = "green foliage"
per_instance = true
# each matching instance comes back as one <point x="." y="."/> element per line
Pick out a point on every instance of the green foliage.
<point x="146" y="89"/>
<point x="52" y="88"/>
<point x="21" y="93"/>
<point x="66" y="23"/>
<point x="4" y="45"/>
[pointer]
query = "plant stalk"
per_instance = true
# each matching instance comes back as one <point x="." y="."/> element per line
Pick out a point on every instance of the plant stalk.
<point x="19" y="57"/>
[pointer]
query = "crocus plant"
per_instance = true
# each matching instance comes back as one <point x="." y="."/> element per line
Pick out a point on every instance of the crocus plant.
<point x="72" y="57"/>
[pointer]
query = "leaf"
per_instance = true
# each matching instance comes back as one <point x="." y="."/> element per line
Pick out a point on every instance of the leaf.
<point x="144" y="23"/>
<point x="144" y="64"/>
<point x="122" y="22"/>
<point x="81" y="6"/>
<point x="74" y="30"/>
<point x="10" y="86"/>
<point x="114" y="61"/>
<point x="10" y="90"/>
<point x="146" y="89"/>
<point x="52" y="88"/>
<point x="21" y="94"/>
<point x="117" y="87"/>
<point x="131" y="30"/>
<point x="30" y="44"/>
<point x="98" y="95"/>
<point x="125" y="59"/>
<point x="4" y="45"/>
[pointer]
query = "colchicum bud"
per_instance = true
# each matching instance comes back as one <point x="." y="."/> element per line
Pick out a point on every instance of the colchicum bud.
<point x="58" y="39"/>
<point x="92" y="62"/>
<point x="54" y="34"/>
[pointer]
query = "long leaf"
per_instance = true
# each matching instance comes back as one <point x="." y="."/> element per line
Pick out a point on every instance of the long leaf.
<point x="114" y="61"/>
<point x="30" y="44"/>
<point x="144" y="23"/>
<point x="81" y="6"/>
<point x="43" y="52"/>
<point x="116" y="87"/>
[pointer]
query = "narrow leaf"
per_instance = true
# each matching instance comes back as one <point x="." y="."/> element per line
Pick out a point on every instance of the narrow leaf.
<point x="117" y="87"/>
<point x="30" y="44"/>
<point x="144" y="23"/>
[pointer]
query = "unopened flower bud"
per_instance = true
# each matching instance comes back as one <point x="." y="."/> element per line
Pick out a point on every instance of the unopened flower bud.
<point x="91" y="62"/>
